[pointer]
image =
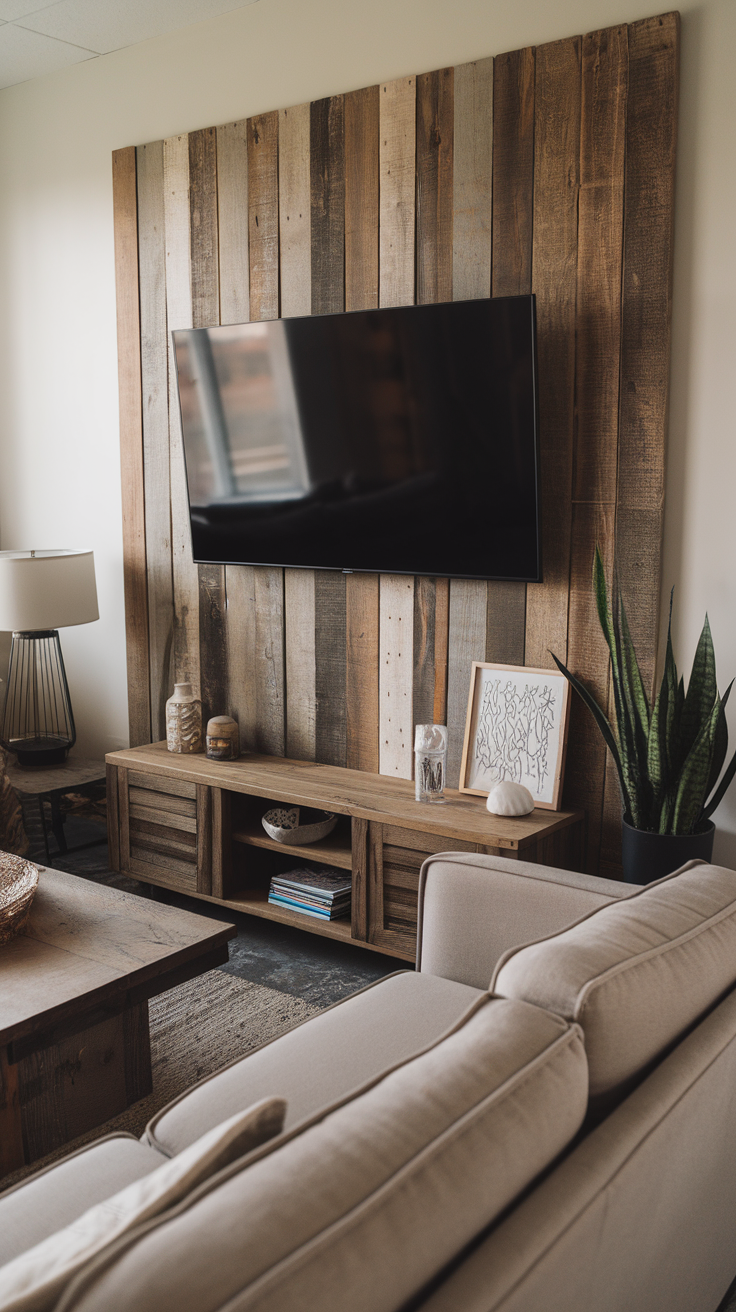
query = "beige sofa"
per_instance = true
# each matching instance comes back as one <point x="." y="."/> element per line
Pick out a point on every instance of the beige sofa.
<point x="564" y="1139"/>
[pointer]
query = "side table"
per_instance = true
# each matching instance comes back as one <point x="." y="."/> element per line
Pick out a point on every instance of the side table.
<point x="76" y="775"/>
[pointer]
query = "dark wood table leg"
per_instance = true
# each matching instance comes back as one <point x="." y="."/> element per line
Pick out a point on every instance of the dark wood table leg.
<point x="11" y="1130"/>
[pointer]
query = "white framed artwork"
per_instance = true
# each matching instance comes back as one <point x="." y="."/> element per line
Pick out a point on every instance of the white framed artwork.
<point x="516" y="728"/>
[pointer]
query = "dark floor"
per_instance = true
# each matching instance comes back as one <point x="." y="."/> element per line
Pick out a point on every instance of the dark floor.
<point x="304" y="965"/>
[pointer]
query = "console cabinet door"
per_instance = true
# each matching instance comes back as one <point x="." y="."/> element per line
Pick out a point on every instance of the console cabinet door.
<point x="395" y="859"/>
<point x="165" y="831"/>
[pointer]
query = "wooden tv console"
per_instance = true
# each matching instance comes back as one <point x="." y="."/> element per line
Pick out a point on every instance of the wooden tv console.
<point x="194" y="825"/>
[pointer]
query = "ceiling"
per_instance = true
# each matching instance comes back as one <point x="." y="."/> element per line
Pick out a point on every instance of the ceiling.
<point x="38" y="38"/>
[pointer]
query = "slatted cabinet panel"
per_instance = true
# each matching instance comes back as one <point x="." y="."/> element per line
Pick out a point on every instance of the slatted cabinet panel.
<point x="547" y="169"/>
<point x="165" y="831"/>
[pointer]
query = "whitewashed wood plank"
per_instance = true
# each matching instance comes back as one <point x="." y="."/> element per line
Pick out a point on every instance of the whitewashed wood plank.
<point x="468" y="602"/>
<point x="396" y="653"/>
<point x="179" y="315"/>
<point x="232" y="217"/>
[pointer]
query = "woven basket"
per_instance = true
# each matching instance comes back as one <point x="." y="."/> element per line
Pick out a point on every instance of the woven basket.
<point x="18" y="883"/>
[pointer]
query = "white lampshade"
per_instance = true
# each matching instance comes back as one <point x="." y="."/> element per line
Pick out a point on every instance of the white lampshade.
<point x="46" y="589"/>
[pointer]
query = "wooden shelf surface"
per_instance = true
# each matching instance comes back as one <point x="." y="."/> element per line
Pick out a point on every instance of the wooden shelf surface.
<point x="333" y="849"/>
<point x="349" y="792"/>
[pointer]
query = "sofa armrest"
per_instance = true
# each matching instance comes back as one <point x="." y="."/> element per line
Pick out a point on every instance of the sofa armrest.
<point x="473" y="908"/>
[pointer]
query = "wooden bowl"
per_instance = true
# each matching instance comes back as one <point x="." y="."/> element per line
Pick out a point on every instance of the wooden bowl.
<point x="282" y="824"/>
<point x="18" y="884"/>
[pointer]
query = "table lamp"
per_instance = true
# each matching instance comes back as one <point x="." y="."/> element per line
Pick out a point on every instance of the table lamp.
<point x="41" y="592"/>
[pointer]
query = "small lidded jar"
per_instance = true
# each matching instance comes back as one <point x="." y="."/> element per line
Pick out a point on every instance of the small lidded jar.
<point x="223" y="738"/>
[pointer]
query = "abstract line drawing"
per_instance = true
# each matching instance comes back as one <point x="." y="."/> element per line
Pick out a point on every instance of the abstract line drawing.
<point x="513" y="734"/>
<point x="515" y="730"/>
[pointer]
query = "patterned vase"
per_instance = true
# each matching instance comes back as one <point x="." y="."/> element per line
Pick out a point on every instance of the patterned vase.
<point x="183" y="720"/>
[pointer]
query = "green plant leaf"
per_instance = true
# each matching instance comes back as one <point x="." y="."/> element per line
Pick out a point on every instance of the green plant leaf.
<point x="720" y="744"/>
<point x="693" y="781"/>
<point x="720" y="792"/>
<point x="602" y="722"/>
<point x="702" y="691"/>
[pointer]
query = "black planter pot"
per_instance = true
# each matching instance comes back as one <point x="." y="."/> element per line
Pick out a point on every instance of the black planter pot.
<point x="649" y="856"/>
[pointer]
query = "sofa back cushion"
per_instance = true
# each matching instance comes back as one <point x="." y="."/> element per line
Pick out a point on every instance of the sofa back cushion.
<point x="635" y="975"/>
<point x="358" y="1209"/>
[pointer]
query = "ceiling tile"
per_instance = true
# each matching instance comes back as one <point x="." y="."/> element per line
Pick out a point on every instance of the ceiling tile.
<point x="24" y="55"/>
<point x="10" y="9"/>
<point x="106" y="25"/>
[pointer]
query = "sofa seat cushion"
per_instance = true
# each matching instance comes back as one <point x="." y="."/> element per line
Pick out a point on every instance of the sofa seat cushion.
<point x="360" y="1207"/>
<point x="636" y="974"/>
<point x="56" y="1196"/>
<point x="34" y="1279"/>
<point x="326" y="1058"/>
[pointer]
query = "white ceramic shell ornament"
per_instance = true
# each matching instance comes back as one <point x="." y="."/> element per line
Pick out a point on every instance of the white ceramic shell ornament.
<point x="508" y="798"/>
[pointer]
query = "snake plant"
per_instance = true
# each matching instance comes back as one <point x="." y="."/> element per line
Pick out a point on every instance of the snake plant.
<point x="669" y="755"/>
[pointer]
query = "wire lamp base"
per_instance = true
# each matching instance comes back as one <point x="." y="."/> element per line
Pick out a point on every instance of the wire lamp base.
<point x="37" y="724"/>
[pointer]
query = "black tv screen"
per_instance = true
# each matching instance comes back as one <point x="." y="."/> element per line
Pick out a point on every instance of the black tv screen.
<point x="398" y="440"/>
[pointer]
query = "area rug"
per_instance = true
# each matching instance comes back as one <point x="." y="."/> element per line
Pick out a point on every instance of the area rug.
<point x="195" y="1029"/>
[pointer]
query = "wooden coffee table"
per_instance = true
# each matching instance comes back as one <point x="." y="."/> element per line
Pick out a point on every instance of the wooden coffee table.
<point x="74" y="990"/>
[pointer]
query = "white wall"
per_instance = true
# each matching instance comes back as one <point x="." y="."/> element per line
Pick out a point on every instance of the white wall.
<point x="59" y="470"/>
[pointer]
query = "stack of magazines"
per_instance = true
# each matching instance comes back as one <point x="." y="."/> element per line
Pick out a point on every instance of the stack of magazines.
<point x="321" y="893"/>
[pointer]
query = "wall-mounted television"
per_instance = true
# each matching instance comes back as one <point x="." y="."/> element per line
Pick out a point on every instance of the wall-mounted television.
<point x="400" y="440"/>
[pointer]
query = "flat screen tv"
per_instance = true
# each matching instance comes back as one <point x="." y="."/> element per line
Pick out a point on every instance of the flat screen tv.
<point x="400" y="440"/>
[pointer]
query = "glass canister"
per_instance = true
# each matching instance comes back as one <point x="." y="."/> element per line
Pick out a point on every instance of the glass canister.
<point x="183" y="720"/>
<point x="430" y="762"/>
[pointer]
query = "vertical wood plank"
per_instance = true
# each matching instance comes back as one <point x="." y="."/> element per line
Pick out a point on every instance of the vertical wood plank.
<point x="604" y="93"/>
<point x="472" y="180"/>
<point x="295" y="251"/>
<point x="511" y="275"/>
<point x="359" y="901"/>
<point x="12" y="1156"/>
<point x="327" y="188"/>
<point x="554" y="259"/>
<point x="330" y="662"/>
<point x="375" y="881"/>
<point x="586" y="753"/>
<point x="600" y="247"/>
<point x="361" y="678"/>
<point x="431" y="620"/>
<point x="155" y="388"/>
<point x="213" y="641"/>
<point x="179" y="315"/>
<point x="435" y="105"/>
<point x="221" y="842"/>
<point x="125" y="216"/>
<point x="361" y="292"/>
<point x="468" y="601"/>
<point x="205" y="280"/>
<point x="268" y="593"/>
<point x="113" y="819"/>
<point x="204" y="839"/>
<point x="296" y="299"/>
<point x="301" y="693"/>
<point x="361" y="199"/>
<point x="205" y="275"/>
<point x="397" y="207"/>
<point x="513" y="172"/>
<point x="240" y="630"/>
<point x="327" y="178"/>
<point x="651" y="138"/>
<point x="123" y="818"/>
<point x="396" y="675"/>
<point x="234" y="264"/>
<point x="232" y="221"/>
<point x="263" y="215"/>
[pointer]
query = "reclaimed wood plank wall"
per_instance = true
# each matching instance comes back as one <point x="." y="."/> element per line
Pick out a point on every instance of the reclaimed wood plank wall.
<point x="548" y="169"/>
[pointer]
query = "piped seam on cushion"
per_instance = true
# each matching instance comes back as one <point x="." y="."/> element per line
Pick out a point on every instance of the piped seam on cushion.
<point x="630" y="963"/>
<point x="475" y="1005"/>
<point x="356" y="1215"/>
<point x="149" y="1134"/>
<point x="104" y="1260"/>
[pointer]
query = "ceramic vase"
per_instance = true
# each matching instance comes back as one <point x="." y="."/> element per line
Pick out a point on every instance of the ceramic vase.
<point x="646" y="856"/>
<point x="223" y="738"/>
<point x="183" y="720"/>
